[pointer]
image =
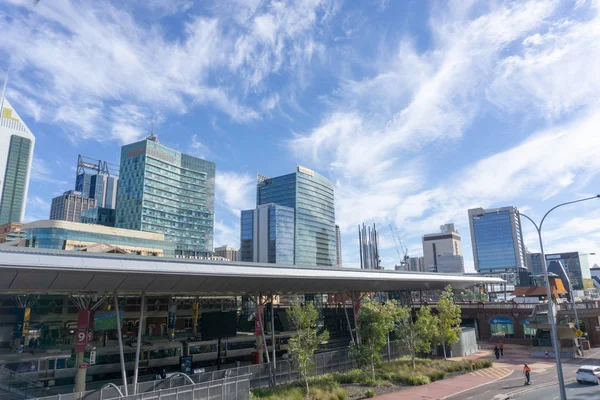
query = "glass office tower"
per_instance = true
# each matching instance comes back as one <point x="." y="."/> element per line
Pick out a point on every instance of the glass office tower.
<point x="267" y="234"/>
<point x="98" y="180"/>
<point x="16" y="154"/>
<point x="163" y="190"/>
<point x="312" y="198"/>
<point x="497" y="240"/>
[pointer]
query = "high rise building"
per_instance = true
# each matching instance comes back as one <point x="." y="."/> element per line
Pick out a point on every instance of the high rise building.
<point x="227" y="252"/>
<point x="450" y="264"/>
<point x="415" y="264"/>
<point x="163" y="190"/>
<point x="338" y="246"/>
<point x="446" y="242"/>
<point x="497" y="240"/>
<point x="99" y="216"/>
<point x="576" y="266"/>
<point x="16" y="154"/>
<point x="312" y="198"/>
<point x="534" y="263"/>
<point x="98" y="180"/>
<point x="267" y="234"/>
<point x="70" y="205"/>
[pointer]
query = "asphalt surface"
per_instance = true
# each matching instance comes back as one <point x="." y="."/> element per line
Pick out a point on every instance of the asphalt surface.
<point x="575" y="391"/>
<point x="543" y="386"/>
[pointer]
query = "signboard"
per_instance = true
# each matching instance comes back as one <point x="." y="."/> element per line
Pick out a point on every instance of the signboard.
<point x="106" y="321"/>
<point x="306" y="171"/>
<point x="84" y="366"/>
<point x="579" y="333"/>
<point x="82" y="338"/>
<point x="171" y="320"/>
<point x="85" y="319"/>
<point x="22" y="322"/>
<point x="92" y="357"/>
<point x="258" y="329"/>
<point x="501" y="321"/>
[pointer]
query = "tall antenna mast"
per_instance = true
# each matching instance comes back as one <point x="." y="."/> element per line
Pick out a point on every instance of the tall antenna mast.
<point x="3" y="93"/>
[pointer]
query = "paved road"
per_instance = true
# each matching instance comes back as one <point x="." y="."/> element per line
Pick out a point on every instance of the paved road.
<point x="575" y="391"/>
<point x="544" y="383"/>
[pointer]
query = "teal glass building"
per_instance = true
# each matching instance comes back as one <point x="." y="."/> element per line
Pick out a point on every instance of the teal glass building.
<point x="267" y="234"/>
<point x="312" y="198"/>
<point x="16" y="154"/>
<point x="163" y="190"/>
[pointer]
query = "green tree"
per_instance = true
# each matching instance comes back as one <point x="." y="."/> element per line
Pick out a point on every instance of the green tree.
<point x="375" y="321"/>
<point x="305" y="341"/>
<point x="448" y="319"/>
<point x="416" y="335"/>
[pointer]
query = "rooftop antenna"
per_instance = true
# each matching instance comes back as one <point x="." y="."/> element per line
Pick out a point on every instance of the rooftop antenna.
<point x="3" y="94"/>
<point x="152" y="136"/>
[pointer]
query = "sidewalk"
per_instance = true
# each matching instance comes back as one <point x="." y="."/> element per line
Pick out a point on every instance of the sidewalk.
<point x="513" y="359"/>
<point x="449" y="387"/>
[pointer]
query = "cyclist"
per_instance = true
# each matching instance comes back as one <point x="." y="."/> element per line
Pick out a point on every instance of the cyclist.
<point x="527" y="373"/>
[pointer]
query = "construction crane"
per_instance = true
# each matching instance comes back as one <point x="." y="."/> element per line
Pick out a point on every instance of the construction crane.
<point x="398" y="243"/>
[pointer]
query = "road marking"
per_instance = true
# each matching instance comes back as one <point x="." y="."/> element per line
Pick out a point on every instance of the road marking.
<point x="487" y="391"/>
<point x="475" y="387"/>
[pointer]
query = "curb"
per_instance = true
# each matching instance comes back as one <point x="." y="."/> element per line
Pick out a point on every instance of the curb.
<point x="474" y="387"/>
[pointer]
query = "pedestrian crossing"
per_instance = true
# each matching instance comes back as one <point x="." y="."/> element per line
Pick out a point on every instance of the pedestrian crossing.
<point x="492" y="373"/>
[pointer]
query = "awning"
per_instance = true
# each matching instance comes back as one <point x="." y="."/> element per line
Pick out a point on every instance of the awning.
<point x="24" y="270"/>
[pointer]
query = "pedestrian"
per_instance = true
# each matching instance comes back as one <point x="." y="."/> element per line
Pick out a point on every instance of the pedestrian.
<point x="496" y="352"/>
<point x="527" y="372"/>
<point x="501" y="347"/>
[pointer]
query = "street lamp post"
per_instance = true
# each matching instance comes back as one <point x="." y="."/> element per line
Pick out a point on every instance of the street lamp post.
<point x="579" y="341"/>
<point x="555" y="339"/>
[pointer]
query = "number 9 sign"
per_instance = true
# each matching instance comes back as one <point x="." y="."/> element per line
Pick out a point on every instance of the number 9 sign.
<point x="82" y="338"/>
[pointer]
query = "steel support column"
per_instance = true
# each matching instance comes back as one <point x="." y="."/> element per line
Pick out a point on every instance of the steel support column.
<point x="139" y="344"/>
<point x="118" y="316"/>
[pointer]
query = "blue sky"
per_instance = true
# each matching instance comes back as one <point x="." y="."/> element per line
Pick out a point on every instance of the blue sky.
<point x="416" y="110"/>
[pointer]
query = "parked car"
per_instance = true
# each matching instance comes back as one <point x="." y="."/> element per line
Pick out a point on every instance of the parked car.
<point x="588" y="373"/>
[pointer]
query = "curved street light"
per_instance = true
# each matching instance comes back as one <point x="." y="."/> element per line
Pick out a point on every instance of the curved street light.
<point x="555" y="339"/>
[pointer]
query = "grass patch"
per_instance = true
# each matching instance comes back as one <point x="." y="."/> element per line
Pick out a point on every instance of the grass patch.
<point x="401" y="371"/>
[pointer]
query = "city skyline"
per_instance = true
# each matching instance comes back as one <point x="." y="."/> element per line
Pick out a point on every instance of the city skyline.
<point x="455" y="105"/>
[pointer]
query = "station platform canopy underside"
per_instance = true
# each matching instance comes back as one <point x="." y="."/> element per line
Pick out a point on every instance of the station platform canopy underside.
<point x="24" y="270"/>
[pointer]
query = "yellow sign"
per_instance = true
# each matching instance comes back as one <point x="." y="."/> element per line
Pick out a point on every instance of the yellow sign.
<point x="26" y="318"/>
<point x="306" y="171"/>
<point x="7" y="113"/>
<point x="579" y="333"/>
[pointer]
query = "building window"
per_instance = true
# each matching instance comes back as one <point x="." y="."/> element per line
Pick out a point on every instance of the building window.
<point x="502" y="327"/>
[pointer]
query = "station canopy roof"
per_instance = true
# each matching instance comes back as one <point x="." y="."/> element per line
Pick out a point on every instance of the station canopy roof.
<point x="29" y="270"/>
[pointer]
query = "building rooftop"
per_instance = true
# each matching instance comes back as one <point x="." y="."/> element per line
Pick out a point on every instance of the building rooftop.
<point x="92" y="228"/>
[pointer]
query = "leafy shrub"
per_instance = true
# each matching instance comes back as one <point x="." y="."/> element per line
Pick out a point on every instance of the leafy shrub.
<point x="369" y="393"/>
<point x="368" y="381"/>
<point x="416" y="380"/>
<point x="436" y="375"/>
<point x="352" y="376"/>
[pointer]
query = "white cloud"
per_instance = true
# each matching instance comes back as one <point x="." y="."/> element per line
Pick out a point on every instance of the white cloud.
<point x="43" y="173"/>
<point x="235" y="192"/>
<point x="227" y="234"/>
<point x="93" y="57"/>
<point x="199" y="149"/>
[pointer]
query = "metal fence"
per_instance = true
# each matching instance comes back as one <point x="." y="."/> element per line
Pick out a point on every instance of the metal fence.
<point x="227" y="387"/>
<point x="229" y="384"/>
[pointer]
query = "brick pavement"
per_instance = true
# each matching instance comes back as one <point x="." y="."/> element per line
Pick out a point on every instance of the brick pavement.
<point x="514" y="358"/>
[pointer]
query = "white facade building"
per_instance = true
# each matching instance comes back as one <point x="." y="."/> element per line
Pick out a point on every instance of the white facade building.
<point x="16" y="153"/>
<point x="447" y="242"/>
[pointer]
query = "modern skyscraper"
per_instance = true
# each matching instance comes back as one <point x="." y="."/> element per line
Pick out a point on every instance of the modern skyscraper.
<point x="227" y="252"/>
<point x="534" y="262"/>
<point x="98" y="180"/>
<point x="163" y="190"/>
<point x="16" y="154"/>
<point x="69" y="206"/>
<point x="338" y="246"/>
<point x="312" y="198"/>
<point x="416" y="264"/>
<point x="497" y="240"/>
<point x="577" y="267"/>
<point x="447" y="242"/>
<point x="99" y="216"/>
<point x="267" y="234"/>
<point x="450" y="264"/>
